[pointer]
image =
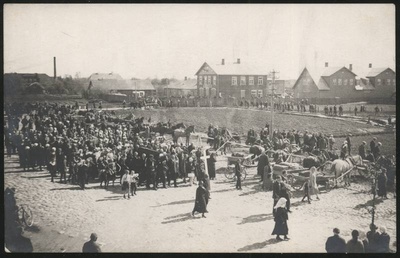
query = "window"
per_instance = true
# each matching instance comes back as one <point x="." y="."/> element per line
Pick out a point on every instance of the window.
<point x="345" y="82"/>
<point x="207" y="92"/>
<point x="339" y="81"/>
<point x="251" y="80"/>
<point x="242" y="93"/>
<point x="351" y="82"/>
<point x="254" y="93"/>
<point x="214" y="80"/>
<point x="334" y="81"/>
<point x="201" y="92"/>
<point x="260" y="80"/>
<point x="234" y="80"/>
<point x="260" y="93"/>
<point x="242" y="80"/>
<point x="394" y="82"/>
<point x="209" y="80"/>
<point x="388" y="81"/>
<point x="213" y="92"/>
<point x="379" y="81"/>
<point x="200" y="80"/>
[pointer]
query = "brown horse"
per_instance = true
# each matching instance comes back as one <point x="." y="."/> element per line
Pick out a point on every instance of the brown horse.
<point x="183" y="133"/>
<point x="340" y="167"/>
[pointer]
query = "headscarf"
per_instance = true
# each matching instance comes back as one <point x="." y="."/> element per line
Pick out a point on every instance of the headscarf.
<point x="281" y="203"/>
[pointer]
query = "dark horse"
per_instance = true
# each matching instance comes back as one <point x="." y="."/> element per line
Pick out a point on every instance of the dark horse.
<point x="183" y="133"/>
<point x="106" y="175"/>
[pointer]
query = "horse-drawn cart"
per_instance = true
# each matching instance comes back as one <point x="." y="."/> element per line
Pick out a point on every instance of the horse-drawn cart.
<point x="297" y="179"/>
<point x="245" y="161"/>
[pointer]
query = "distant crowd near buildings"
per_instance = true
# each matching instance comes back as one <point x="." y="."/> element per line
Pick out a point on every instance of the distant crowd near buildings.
<point x="237" y="81"/>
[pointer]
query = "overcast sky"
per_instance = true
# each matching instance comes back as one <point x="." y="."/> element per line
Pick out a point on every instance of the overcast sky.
<point x="175" y="40"/>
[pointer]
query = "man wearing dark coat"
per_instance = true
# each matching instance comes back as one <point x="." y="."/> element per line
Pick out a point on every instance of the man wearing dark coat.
<point x="348" y="143"/>
<point x="91" y="246"/>
<point x="372" y="145"/>
<point x="361" y="150"/>
<point x="335" y="243"/>
<point x="211" y="166"/>
<point x="202" y="196"/>
<point x="262" y="162"/>
<point x="382" y="183"/>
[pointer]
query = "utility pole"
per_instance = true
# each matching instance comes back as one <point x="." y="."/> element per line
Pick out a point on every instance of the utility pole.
<point x="273" y="75"/>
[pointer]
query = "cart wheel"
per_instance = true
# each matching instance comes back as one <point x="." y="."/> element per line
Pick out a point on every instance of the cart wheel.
<point x="229" y="174"/>
<point x="26" y="215"/>
<point x="247" y="162"/>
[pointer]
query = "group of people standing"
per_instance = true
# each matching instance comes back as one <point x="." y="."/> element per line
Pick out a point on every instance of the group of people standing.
<point x="373" y="242"/>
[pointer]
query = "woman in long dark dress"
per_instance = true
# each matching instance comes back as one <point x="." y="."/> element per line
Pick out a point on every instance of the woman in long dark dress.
<point x="281" y="217"/>
<point x="202" y="196"/>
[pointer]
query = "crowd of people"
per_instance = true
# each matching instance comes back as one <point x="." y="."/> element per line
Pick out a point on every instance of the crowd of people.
<point x="52" y="136"/>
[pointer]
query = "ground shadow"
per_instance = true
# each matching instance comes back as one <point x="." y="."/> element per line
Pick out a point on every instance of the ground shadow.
<point x="33" y="177"/>
<point x="175" y="203"/>
<point x="181" y="218"/>
<point x="299" y="203"/>
<point x="256" y="246"/>
<point x="33" y="229"/>
<point x="368" y="204"/>
<point x="256" y="218"/>
<point x="110" y="198"/>
<point x="248" y="193"/>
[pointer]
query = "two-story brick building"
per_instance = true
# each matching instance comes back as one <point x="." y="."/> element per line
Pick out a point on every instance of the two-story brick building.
<point x="231" y="80"/>
<point x="342" y="84"/>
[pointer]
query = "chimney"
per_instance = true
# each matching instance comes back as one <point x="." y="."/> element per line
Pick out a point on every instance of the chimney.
<point x="350" y="67"/>
<point x="326" y="64"/>
<point x="238" y="60"/>
<point x="223" y="61"/>
<point x="55" y="69"/>
<point x="185" y="78"/>
<point x="370" y="65"/>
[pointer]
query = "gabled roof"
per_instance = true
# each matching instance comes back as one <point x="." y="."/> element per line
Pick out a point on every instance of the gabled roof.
<point x="376" y="71"/>
<point x="322" y="85"/>
<point x="235" y="69"/>
<point x="189" y="84"/>
<point x="135" y="84"/>
<point x="105" y="76"/>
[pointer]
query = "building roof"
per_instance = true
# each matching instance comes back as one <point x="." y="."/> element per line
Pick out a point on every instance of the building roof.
<point x="134" y="84"/>
<point x="236" y="69"/>
<point x="322" y="85"/>
<point x="190" y="84"/>
<point x="376" y="71"/>
<point x="105" y="76"/>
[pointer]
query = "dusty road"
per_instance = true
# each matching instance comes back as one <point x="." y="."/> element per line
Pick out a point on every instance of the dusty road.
<point x="160" y="221"/>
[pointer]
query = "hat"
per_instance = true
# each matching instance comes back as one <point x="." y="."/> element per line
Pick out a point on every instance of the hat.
<point x="379" y="143"/>
<point x="336" y="230"/>
<point x="374" y="138"/>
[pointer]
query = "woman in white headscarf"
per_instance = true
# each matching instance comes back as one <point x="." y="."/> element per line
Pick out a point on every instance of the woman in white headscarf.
<point x="312" y="183"/>
<point x="281" y="217"/>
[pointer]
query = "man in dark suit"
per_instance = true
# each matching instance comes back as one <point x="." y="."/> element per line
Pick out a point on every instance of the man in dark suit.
<point x="262" y="162"/>
<point x="335" y="243"/>
<point x="372" y="145"/>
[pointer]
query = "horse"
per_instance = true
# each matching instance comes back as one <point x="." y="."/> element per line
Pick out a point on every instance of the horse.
<point x="183" y="133"/>
<point x="106" y="175"/>
<point x="339" y="167"/>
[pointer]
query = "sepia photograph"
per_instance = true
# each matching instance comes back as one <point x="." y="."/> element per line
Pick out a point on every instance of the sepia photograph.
<point x="199" y="128"/>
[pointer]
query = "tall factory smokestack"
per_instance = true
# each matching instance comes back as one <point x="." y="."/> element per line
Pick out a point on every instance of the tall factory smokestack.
<point x="55" y="68"/>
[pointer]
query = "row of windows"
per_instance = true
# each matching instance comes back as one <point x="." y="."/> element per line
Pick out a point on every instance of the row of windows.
<point x="379" y="82"/>
<point x="345" y="81"/>
<point x="251" y="80"/>
<point x="207" y="80"/>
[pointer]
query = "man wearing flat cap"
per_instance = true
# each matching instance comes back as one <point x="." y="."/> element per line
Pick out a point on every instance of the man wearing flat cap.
<point x="91" y="246"/>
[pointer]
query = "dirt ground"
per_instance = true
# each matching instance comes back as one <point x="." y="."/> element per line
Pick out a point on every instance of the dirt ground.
<point x="160" y="221"/>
